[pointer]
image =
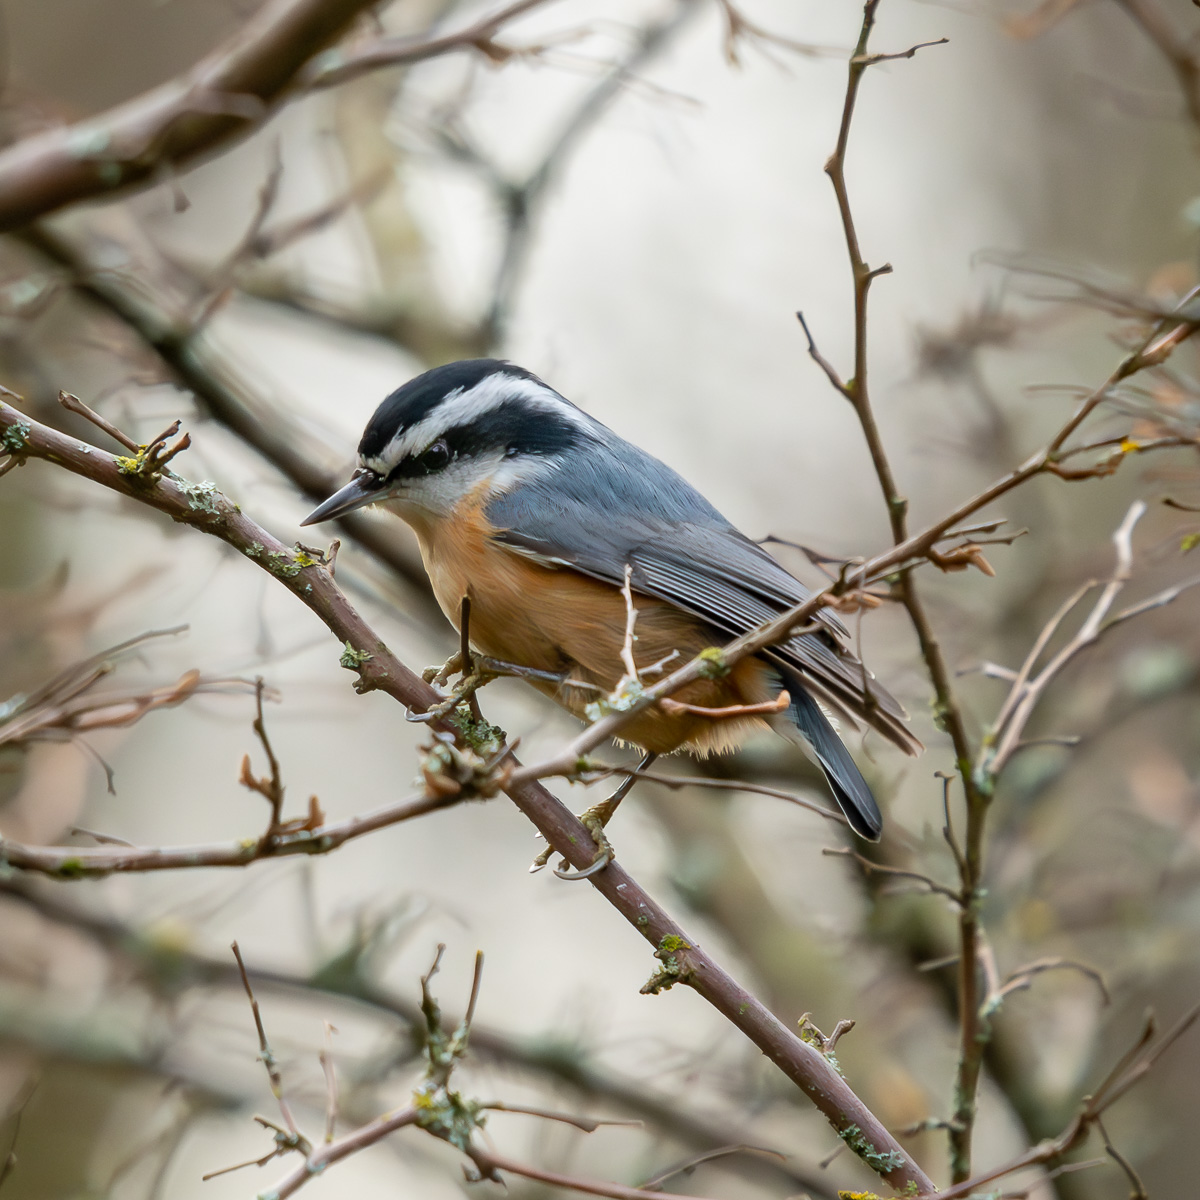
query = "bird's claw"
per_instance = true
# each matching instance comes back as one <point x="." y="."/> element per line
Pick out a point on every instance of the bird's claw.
<point x="474" y="675"/>
<point x="603" y="857"/>
<point x="594" y="821"/>
<point x="439" y="676"/>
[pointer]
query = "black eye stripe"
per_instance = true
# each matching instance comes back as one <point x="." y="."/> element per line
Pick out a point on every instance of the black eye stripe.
<point x="433" y="458"/>
<point x="514" y="429"/>
<point x="509" y="430"/>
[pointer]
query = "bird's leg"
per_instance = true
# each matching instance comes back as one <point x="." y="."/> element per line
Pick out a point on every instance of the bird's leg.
<point x="497" y="666"/>
<point x="594" y="821"/>
<point x="598" y="816"/>
<point x="475" y="669"/>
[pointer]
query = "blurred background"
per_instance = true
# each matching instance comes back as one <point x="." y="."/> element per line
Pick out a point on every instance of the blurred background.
<point x="635" y="210"/>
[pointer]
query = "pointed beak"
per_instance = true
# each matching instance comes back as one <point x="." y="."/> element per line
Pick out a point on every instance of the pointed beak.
<point x="365" y="488"/>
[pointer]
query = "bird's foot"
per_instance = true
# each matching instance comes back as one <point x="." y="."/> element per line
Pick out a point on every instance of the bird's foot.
<point x="440" y="676"/>
<point x="475" y="671"/>
<point x="593" y="820"/>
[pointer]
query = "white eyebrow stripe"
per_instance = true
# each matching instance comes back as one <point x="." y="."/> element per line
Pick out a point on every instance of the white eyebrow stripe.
<point x="461" y="407"/>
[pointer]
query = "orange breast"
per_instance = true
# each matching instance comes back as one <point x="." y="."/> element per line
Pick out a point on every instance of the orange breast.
<point x="560" y="621"/>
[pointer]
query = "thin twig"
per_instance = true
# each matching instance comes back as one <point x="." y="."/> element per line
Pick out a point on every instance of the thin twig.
<point x="94" y="862"/>
<point x="267" y="1057"/>
<point x="74" y="404"/>
<point x="331" y="1087"/>
<point x="489" y="1163"/>
<point x="874" y="868"/>
<point x="585" y="1124"/>
<point x="326" y="1155"/>
<point x="1023" y="977"/>
<point x="334" y="69"/>
<point x="676" y="782"/>
<point x="1004" y="737"/>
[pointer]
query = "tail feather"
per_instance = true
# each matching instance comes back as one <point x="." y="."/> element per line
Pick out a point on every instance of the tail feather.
<point x="845" y="780"/>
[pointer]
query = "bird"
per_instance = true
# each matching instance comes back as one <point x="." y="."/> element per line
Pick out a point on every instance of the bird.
<point x="550" y="524"/>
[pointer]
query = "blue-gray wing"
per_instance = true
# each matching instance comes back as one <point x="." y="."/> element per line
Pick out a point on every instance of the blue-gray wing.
<point x="602" y="515"/>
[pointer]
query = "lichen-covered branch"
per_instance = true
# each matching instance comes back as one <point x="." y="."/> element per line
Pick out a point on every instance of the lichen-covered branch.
<point x="683" y="961"/>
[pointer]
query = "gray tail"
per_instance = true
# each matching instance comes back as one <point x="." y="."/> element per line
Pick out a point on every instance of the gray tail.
<point x="845" y="780"/>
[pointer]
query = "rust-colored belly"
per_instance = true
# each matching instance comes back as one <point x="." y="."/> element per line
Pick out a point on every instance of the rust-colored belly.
<point x="563" y="622"/>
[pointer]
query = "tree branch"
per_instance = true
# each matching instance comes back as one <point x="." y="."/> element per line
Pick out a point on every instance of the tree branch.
<point x="204" y="508"/>
<point x="226" y="96"/>
<point x="223" y="97"/>
<point x="340" y="66"/>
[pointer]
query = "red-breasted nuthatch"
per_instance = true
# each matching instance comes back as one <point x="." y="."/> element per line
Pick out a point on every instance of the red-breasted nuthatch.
<point x="537" y="512"/>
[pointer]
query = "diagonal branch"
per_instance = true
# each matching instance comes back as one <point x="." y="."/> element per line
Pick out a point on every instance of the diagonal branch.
<point x="340" y="66"/>
<point x="1004" y="738"/>
<point x="224" y="97"/>
<point x="202" y="507"/>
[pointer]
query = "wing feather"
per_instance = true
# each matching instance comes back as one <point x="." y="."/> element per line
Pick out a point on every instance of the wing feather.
<point x="681" y="550"/>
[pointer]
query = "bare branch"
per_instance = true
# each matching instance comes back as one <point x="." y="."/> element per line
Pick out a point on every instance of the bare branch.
<point x="870" y="60"/>
<point x="66" y="707"/>
<point x="586" y="1124"/>
<point x="1168" y="332"/>
<point x="326" y="1155"/>
<point x="267" y="1056"/>
<point x="204" y="508"/>
<point x="1128" y="1071"/>
<point x="874" y="868"/>
<point x="224" y="97"/>
<point x="1027" y="689"/>
<point x="227" y="95"/>
<point x="564" y="1065"/>
<point x="489" y="1164"/>
<point x="91" y="862"/>
<point x="340" y="66"/>
<point x="1023" y="977"/>
<point x="676" y="782"/>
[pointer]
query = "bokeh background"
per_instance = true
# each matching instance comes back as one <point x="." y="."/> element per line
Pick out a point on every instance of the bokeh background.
<point x="677" y="216"/>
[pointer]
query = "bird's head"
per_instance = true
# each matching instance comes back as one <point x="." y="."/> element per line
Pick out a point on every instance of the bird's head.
<point x="455" y="429"/>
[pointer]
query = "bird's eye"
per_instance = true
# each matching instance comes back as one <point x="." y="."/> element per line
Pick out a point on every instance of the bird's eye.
<point x="436" y="457"/>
